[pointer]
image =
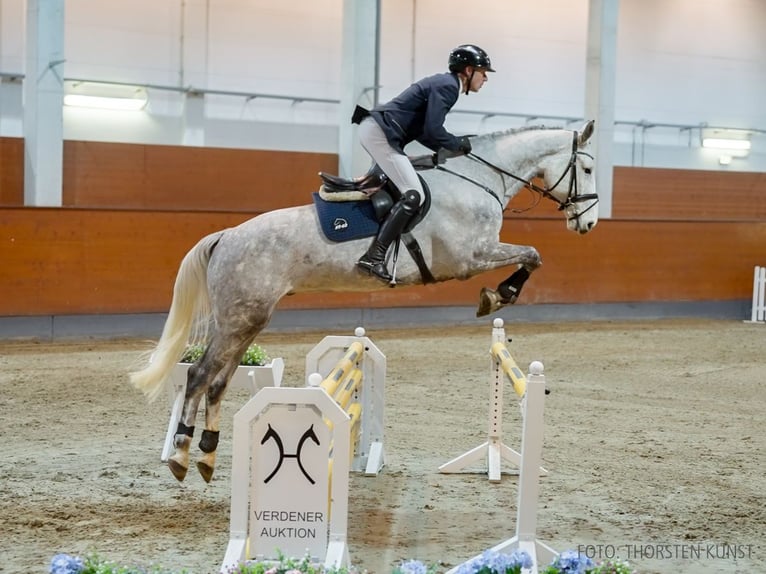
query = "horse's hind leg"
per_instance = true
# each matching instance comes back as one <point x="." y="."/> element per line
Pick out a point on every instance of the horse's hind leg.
<point x="179" y="461"/>
<point x="208" y="443"/>
<point x="508" y="290"/>
<point x="232" y="347"/>
<point x="212" y="370"/>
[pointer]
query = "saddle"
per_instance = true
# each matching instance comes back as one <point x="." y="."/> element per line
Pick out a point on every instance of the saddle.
<point x="375" y="187"/>
<point x="381" y="193"/>
<point x="374" y="179"/>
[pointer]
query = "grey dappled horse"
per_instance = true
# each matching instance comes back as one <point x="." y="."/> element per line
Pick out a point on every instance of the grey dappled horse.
<point x="237" y="276"/>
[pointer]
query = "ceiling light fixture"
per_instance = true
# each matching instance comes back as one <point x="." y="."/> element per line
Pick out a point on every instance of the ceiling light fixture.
<point x="726" y="139"/>
<point x="726" y="143"/>
<point x="105" y="96"/>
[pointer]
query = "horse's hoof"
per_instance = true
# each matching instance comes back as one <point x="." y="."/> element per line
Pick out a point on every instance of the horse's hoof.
<point x="205" y="470"/>
<point x="206" y="465"/>
<point x="489" y="302"/>
<point x="178" y="470"/>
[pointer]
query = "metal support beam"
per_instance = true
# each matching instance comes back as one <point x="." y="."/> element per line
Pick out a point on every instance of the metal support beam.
<point x="43" y="100"/>
<point x="193" y="68"/>
<point x="599" y="92"/>
<point x="359" y="79"/>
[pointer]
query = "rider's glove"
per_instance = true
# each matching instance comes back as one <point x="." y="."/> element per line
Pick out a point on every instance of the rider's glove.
<point x="464" y="145"/>
<point x="440" y="156"/>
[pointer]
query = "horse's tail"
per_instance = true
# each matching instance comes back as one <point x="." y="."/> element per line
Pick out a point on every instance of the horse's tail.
<point x="191" y="303"/>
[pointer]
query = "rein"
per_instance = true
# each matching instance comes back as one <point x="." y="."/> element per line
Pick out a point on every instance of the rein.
<point x="572" y="196"/>
<point x="473" y="181"/>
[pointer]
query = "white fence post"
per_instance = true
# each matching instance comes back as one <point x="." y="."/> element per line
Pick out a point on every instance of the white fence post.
<point x="529" y="479"/>
<point x="758" y="314"/>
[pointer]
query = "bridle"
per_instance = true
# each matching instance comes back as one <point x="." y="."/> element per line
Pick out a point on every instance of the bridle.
<point x="572" y="199"/>
<point x="572" y="196"/>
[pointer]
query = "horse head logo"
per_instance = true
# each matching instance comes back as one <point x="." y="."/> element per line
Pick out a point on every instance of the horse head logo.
<point x="339" y="223"/>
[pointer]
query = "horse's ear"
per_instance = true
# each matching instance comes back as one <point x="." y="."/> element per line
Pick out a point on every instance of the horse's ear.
<point x="587" y="131"/>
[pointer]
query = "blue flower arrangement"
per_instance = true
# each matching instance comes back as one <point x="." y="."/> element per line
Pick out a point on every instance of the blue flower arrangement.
<point x="66" y="564"/>
<point x="414" y="567"/>
<point x="497" y="563"/>
<point x="569" y="562"/>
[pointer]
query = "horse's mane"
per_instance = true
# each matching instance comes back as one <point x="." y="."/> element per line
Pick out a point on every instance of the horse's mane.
<point x="513" y="131"/>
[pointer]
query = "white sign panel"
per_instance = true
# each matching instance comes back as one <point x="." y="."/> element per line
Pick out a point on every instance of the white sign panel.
<point x="289" y="482"/>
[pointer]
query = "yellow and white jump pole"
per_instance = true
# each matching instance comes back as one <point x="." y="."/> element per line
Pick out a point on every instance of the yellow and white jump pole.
<point x="502" y="367"/>
<point x="347" y="359"/>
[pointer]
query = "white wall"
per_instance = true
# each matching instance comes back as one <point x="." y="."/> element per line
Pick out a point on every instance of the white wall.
<point x="679" y="62"/>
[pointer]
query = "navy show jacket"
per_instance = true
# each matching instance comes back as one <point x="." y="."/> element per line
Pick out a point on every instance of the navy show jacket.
<point x="418" y="113"/>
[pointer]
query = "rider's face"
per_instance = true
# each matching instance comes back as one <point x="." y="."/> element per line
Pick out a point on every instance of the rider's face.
<point x="478" y="79"/>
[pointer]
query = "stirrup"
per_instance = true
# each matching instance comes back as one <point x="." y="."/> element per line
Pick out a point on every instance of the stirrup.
<point x="375" y="269"/>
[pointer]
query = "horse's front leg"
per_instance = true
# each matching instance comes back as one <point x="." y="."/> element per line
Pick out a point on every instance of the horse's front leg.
<point x="508" y="290"/>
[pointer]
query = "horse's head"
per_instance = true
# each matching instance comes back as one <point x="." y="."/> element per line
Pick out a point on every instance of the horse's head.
<point x="570" y="181"/>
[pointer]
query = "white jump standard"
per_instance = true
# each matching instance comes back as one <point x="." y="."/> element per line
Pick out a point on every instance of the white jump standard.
<point x="502" y="366"/>
<point x="533" y="403"/>
<point x="327" y="356"/>
<point x="758" y="313"/>
<point x="279" y="478"/>
<point x="293" y="449"/>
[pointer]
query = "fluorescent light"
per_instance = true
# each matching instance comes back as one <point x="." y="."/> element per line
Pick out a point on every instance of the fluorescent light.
<point x="105" y="96"/>
<point x="104" y="103"/>
<point x="726" y="143"/>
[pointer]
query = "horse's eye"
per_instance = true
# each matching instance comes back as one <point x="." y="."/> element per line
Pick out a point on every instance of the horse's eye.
<point x="587" y="170"/>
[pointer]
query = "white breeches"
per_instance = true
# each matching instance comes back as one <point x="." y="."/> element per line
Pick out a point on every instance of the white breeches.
<point x="395" y="165"/>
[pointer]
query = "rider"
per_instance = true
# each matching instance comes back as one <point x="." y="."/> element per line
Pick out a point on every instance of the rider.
<point x="417" y="114"/>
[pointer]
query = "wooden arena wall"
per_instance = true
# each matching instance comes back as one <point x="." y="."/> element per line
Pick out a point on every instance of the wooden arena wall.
<point x="132" y="212"/>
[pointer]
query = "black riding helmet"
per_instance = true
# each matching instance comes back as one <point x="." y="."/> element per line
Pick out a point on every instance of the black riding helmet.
<point x="469" y="55"/>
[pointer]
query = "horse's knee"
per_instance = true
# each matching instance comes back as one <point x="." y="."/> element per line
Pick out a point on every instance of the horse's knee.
<point x="195" y="377"/>
<point x="533" y="259"/>
<point x="215" y="391"/>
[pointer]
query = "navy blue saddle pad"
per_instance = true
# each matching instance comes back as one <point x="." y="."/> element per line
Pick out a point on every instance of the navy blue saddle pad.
<point x="346" y="220"/>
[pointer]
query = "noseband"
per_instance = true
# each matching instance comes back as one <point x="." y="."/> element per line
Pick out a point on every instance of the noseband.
<point x="572" y="198"/>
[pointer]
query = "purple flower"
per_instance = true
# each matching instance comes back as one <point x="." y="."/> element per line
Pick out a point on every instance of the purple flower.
<point x="412" y="567"/>
<point x="497" y="563"/>
<point x="66" y="564"/>
<point x="521" y="558"/>
<point x="571" y="562"/>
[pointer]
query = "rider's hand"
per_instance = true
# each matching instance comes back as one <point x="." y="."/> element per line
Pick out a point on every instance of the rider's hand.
<point x="441" y="156"/>
<point x="465" y="145"/>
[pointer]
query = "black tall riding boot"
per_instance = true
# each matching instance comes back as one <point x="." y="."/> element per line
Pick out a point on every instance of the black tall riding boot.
<point x="374" y="261"/>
